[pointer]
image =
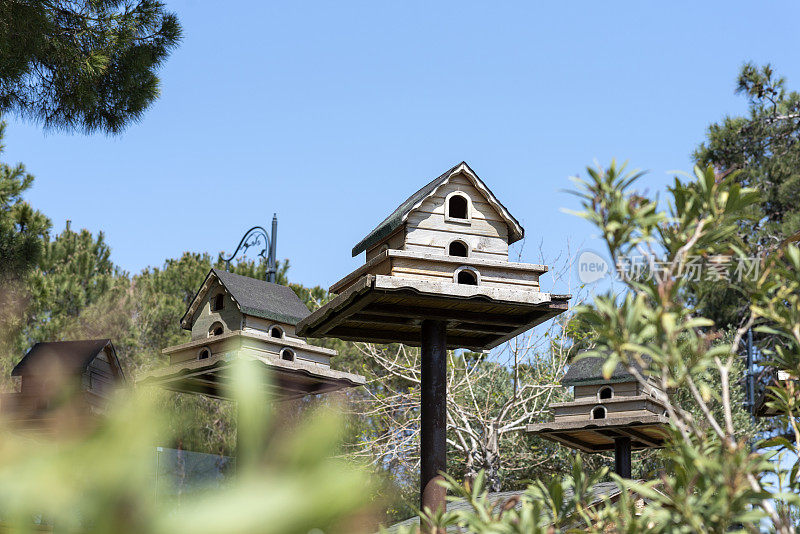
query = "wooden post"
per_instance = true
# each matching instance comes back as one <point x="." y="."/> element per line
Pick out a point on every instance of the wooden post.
<point x="622" y="457"/>
<point x="433" y="431"/>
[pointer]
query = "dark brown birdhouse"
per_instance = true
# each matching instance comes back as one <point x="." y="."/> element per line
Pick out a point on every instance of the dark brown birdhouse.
<point x="63" y="380"/>
<point x="233" y="317"/>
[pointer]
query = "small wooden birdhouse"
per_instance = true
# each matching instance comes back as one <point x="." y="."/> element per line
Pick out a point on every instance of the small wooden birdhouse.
<point x="234" y="316"/>
<point x="777" y="378"/>
<point x="441" y="255"/>
<point x="80" y="375"/>
<point x="606" y="411"/>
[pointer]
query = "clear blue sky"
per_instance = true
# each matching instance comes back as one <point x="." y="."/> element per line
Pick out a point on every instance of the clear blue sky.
<point x="331" y="114"/>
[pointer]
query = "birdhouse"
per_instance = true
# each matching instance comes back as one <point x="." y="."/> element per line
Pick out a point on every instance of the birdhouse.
<point x="443" y="254"/>
<point x="605" y="410"/>
<point x="777" y="378"/>
<point x="234" y="316"/>
<point x="77" y="375"/>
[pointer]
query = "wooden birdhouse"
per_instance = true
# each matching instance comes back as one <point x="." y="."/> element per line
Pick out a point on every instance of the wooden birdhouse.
<point x="437" y="275"/>
<point x="442" y="254"/>
<point x="234" y="316"/>
<point x="63" y="379"/>
<point x="606" y="413"/>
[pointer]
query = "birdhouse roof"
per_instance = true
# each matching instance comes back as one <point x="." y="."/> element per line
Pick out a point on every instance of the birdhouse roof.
<point x="254" y="297"/>
<point x="400" y="215"/>
<point x="590" y="371"/>
<point x="68" y="356"/>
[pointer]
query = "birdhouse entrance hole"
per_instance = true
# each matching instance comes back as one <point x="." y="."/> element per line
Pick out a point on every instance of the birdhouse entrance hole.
<point x="599" y="413"/>
<point x="605" y="393"/>
<point x="287" y="354"/>
<point x="467" y="277"/>
<point x="458" y="207"/>
<point x="276" y="331"/>
<point x="458" y="248"/>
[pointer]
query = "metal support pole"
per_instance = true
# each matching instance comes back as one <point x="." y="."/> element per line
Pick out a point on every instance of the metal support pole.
<point x="622" y="457"/>
<point x="272" y="262"/>
<point x="751" y="394"/>
<point x="433" y="432"/>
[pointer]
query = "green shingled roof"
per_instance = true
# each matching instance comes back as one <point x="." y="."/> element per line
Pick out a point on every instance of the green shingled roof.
<point x="590" y="371"/>
<point x="398" y="216"/>
<point x="258" y="298"/>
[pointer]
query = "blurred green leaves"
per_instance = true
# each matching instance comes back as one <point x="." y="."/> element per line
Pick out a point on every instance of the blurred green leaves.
<point x="102" y="479"/>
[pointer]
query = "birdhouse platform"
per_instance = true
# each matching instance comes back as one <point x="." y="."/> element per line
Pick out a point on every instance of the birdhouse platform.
<point x="209" y="376"/>
<point x="644" y="431"/>
<point x="389" y="309"/>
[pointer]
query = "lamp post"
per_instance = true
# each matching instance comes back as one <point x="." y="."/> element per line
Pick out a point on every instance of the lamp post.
<point x="252" y="238"/>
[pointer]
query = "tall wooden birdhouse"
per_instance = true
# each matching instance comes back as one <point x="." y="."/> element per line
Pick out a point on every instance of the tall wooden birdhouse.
<point x="437" y="275"/>
<point x="616" y="413"/>
<point x="442" y="254"/>
<point x="63" y="379"/>
<point x="234" y="316"/>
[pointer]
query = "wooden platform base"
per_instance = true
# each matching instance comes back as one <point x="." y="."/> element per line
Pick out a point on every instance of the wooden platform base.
<point x="389" y="309"/>
<point x="287" y="380"/>
<point x="599" y="435"/>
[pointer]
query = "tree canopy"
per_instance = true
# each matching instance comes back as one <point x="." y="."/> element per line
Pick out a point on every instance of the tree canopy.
<point x="88" y="65"/>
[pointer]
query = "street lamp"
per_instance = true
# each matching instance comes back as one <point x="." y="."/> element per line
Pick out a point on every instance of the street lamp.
<point x="252" y="238"/>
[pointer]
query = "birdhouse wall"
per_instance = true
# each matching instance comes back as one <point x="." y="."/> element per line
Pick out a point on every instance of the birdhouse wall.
<point x="100" y="378"/>
<point x="259" y="349"/>
<point x="429" y="230"/>
<point x="229" y="315"/>
<point x="396" y="241"/>
<point x="639" y="405"/>
<point x="620" y="389"/>
<point x="500" y="276"/>
<point x="260" y="346"/>
<point x="265" y="326"/>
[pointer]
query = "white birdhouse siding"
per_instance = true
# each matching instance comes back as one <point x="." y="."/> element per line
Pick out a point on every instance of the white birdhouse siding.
<point x="205" y="317"/>
<point x="428" y="230"/>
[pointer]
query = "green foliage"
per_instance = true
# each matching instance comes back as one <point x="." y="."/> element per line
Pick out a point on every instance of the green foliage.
<point x="22" y="229"/>
<point x="762" y="149"/>
<point x="83" y="65"/>
<point x="74" y="272"/>
<point x="103" y="481"/>
<point x="560" y="505"/>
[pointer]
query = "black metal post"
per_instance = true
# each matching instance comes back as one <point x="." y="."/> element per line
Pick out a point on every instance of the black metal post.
<point x="433" y="431"/>
<point x="622" y="457"/>
<point x="272" y="262"/>
<point x="252" y="238"/>
<point x="751" y="395"/>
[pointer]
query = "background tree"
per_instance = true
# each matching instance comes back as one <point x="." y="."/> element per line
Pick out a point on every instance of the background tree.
<point x="763" y="148"/>
<point x="23" y="231"/>
<point x="83" y="65"/>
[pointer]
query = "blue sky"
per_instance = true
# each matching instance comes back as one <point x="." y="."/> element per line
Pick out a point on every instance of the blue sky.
<point x="331" y="114"/>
